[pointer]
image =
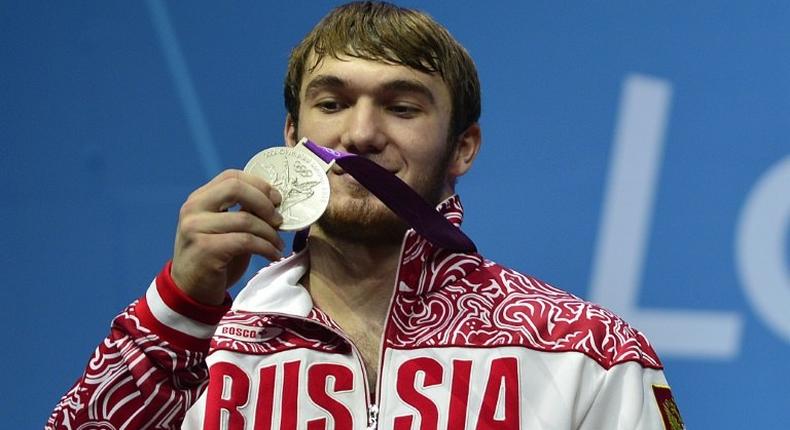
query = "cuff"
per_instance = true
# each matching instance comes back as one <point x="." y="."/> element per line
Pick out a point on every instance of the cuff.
<point x="176" y="317"/>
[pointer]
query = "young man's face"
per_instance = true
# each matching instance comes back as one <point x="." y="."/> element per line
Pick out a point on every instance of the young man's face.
<point x="396" y="116"/>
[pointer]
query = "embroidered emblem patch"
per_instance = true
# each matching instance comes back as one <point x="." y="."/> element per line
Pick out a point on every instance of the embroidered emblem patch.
<point x="668" y="408"/>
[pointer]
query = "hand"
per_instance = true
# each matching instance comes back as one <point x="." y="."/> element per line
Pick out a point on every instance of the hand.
<point x="213" y="246"/>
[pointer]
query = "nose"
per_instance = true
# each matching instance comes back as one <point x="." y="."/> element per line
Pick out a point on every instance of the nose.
<point x="363" y="132"/>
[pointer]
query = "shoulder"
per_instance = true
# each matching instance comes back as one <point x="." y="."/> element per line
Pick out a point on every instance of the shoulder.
<point x="527" y="311"/>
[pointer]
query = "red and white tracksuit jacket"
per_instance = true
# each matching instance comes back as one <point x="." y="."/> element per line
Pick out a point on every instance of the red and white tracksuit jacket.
<point x="468" y="344"/>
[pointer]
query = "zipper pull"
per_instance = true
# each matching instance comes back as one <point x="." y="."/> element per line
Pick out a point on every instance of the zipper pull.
<point x="373" y="417"/>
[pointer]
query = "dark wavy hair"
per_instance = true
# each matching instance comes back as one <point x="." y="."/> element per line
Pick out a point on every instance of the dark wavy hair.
<point x="391" y="34"/>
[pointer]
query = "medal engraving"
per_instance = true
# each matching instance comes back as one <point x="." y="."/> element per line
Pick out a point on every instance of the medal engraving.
<point x="301" y="180"/>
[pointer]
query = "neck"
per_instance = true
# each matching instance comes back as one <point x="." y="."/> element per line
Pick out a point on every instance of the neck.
<point x="350" y="278"/>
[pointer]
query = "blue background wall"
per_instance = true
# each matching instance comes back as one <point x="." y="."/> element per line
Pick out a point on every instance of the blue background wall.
<point x="112" y="112"/>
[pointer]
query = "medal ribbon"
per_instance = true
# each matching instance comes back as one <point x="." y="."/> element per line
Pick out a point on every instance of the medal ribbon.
<point x="399" y="197"/>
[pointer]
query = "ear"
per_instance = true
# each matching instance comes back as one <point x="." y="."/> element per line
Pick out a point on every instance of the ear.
<point x="466" y="148"/>
<point x="289" y="131"/>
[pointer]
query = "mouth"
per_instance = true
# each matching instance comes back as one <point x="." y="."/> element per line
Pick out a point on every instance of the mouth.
<point x="339" y="171"/>
<point x="343" y="177"/>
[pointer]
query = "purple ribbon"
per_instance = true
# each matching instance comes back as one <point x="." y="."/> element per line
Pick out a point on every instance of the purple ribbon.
<point x="400" y="198"/>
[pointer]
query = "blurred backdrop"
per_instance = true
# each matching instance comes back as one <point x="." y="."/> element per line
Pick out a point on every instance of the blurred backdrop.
<point x="637" y="155"/>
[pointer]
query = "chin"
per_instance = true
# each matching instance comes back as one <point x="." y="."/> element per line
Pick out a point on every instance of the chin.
<point x="362" y="219"/>
<point x="355" y="215"/>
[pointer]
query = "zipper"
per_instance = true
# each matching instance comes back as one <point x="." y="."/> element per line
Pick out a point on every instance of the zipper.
<point x="373" y="404"/>
<point x="373" y="416"/>
<point x="373" y="409"/>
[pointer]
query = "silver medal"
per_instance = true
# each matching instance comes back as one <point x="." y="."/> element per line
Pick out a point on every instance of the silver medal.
<point x="301" y="179"/>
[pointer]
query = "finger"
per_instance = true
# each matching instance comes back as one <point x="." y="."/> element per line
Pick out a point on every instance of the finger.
<point x="259" y="183"/>
<point x="238" y="189"/>
<point x="199" y="200"/>
<point x="234" y="174"/>
<point x="232" y="222"/>
<point x="239" y="243"/>
<point x="225" y="174"/>
<point x="256" y="181"/>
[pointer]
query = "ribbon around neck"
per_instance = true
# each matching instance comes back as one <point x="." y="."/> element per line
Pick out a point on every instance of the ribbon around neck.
<point x="399" y="197"/>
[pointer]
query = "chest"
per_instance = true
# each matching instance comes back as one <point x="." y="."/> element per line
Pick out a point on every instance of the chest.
<point x="368" y="343"/>
<point x="426" y="388"/>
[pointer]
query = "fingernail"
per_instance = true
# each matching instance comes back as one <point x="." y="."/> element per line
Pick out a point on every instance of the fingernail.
<point x="276" y="197"/>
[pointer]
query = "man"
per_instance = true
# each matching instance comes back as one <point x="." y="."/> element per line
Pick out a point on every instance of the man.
<point x="372" y="324"/>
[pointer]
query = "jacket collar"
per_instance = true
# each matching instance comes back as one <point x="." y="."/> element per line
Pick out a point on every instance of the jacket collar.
<point x="423" y="268"/>
<point x="276" y="288"/>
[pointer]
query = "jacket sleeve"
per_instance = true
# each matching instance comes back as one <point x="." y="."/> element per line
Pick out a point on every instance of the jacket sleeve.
<point x="151" y="367"/>
<point x="633" y="397"/>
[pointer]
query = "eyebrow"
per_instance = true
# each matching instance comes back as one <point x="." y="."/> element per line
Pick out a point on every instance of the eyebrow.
<point x="323" y="82"/>
<point x="410" y="86"/>
<point x="329" y="82"/>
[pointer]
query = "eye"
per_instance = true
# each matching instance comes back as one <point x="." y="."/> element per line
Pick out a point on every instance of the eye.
<point x="329" y="105"/>
<point x="404" y="110"/>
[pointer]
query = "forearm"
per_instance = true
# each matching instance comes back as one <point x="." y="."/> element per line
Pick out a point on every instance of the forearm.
<point x="151" y="367"/>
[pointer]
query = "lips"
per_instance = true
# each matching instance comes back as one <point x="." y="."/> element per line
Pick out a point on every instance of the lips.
<point x="337" y="170"/>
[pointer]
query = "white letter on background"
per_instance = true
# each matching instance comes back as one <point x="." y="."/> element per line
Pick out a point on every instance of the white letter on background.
<point x="625" y="224"/>
<point x="760" y="248"/>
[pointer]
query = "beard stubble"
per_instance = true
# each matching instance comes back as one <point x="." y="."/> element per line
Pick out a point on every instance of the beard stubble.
<point x="362" y="218"/>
